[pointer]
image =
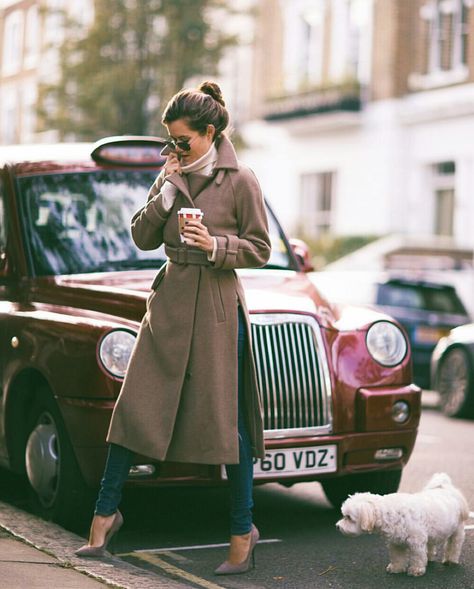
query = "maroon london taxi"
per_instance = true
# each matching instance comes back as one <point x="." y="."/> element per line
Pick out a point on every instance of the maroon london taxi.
<point x="336" y="383"/>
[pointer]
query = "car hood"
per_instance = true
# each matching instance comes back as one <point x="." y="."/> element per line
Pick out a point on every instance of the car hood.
<point x="124" y="293"/>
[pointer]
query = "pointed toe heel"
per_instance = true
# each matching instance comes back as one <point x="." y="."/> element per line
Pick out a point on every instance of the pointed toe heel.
<point x="100" y="551"/>
<point x="227" y="568"/>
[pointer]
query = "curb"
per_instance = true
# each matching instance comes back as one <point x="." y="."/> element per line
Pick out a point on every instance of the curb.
<point x="55" y="541"/>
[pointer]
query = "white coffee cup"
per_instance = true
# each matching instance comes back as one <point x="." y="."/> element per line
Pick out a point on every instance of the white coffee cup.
<point x="185" y="214"/>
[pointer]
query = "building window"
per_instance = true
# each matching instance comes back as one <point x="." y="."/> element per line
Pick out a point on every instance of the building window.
<point x="32" y="37"/>
<point x="445" y="31"/>
<point x="312" y="37"/>
<point x="444" y="176"/>
<point x="316" y="203"/>
<point x="12" y="42"/>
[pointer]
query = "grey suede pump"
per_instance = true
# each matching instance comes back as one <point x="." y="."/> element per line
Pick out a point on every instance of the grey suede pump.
<point x="227" y="568"/>
<point x="97" y="551"/>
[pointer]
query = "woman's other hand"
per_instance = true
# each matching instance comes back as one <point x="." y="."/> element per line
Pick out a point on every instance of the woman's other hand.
<point x="172" y="164"/>
<point x="197" y="235"/>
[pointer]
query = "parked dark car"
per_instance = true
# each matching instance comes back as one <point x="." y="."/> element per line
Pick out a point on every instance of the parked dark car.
<point x="336" y="383"/>
<point x="452" y="371"/>
<point x="427" y="310"/>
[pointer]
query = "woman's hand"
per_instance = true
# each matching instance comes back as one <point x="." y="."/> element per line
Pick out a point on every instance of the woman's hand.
<point x="197" y="235"/>
<point x="172" y="164"/>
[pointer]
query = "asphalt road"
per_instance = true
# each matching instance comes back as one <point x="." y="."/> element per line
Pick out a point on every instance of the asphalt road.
<point x="300" y="547"/>
<point x="176" y="531"/>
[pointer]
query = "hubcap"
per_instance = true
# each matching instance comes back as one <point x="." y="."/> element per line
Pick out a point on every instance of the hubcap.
<point x="42" y="459"/>
<point x="453" y="382"/>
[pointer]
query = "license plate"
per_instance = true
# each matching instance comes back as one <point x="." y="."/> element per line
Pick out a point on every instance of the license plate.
<point x="289" y="462"/>
<point x="429" y="335"/>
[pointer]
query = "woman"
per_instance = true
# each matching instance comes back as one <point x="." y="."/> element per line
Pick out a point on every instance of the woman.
<point x="190" y="392"/>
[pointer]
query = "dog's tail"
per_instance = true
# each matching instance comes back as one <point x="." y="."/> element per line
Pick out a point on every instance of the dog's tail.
<point x="441" y="480"/>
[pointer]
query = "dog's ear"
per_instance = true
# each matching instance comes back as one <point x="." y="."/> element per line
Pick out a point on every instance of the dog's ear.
<point x="367" y="517"/>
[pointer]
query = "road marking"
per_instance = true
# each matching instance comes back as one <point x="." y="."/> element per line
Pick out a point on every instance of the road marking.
<point x="178" y="557"/>
<point x="195" y="547"/>
<point x="469" y="527"/>
<point x="176" y="571"/>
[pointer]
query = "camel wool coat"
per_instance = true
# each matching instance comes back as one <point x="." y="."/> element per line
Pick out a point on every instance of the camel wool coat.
<point x="178" y="400"/>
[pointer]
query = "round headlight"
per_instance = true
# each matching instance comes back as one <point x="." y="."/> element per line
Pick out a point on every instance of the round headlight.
<point x="115" y="349"/>
<point x="386" y="343"/>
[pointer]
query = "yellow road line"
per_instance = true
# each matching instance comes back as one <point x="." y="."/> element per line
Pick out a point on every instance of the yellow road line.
<point x="174" y="570"/>
<point x="175" y="556"/>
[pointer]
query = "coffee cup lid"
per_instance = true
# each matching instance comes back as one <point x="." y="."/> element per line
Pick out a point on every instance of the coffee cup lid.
<point x="184" y="211"/>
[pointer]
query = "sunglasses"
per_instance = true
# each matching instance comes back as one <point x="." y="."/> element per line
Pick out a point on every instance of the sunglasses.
<point x="183" y="144"/>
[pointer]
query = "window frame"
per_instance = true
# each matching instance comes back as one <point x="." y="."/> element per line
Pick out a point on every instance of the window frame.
<point x="316" y="202"/>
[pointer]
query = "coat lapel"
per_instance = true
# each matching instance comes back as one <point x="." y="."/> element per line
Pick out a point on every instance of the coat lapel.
<point x="226" y="160"/>
<point x="181" y="184"/>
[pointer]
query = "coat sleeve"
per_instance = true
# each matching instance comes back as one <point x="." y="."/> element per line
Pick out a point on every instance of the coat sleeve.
<point x="251" y="248"/>
<point x="147" y="223"/>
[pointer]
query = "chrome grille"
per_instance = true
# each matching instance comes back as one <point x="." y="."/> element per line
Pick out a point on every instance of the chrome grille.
<point x="292" y="374"/>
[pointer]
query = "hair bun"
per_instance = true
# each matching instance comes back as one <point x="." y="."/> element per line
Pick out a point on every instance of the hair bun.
<point x="212" y="89"/>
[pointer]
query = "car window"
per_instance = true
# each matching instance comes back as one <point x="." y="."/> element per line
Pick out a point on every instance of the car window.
<point x="440" y="300"/>
<point x="444" y="301"/>
<point x="395" y="295"/>
<point x="279" y="257"/>
<point x="80" y="222"/>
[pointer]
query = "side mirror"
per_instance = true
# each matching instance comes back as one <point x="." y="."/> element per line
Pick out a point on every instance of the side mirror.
<point x="301" y="251"/>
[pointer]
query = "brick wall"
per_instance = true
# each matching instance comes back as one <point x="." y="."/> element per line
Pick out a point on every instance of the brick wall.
<point x="394" y="47"/>
<point x="401" y="47"/>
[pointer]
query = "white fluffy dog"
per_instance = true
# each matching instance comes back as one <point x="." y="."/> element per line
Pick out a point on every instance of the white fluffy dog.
<point x="416" y="526"/>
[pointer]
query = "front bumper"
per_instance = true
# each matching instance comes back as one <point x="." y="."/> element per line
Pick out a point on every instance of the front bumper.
<point x="356" y="450"/>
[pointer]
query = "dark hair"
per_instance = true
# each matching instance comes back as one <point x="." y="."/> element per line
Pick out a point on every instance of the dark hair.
<point x="200" y="107"/>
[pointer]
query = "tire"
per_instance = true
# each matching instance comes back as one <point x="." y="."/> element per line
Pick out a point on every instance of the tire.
<point x="57" y="489"/>
<point x="381" y="482"/>
<point x="455" y="384"/>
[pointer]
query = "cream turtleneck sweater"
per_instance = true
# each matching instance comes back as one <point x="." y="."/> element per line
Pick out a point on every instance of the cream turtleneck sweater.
<point x="204" y="165"/>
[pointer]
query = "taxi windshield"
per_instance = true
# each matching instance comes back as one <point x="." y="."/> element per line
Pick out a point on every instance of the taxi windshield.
<point x="80" y="222"/>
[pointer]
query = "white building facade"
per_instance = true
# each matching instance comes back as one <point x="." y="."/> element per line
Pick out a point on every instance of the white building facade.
<point x="31" y="33"/>
<point x="367" y="127"/>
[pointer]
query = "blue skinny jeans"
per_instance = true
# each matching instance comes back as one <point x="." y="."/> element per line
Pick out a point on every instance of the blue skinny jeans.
<point x="119" y="460"/>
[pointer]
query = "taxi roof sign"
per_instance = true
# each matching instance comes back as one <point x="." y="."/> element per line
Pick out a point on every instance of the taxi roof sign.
<point x="129" y="150"/>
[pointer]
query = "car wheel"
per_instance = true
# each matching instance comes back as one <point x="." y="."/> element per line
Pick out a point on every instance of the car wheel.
<point x="381" y="482"/>
<point x="454" y="384"/>
<point x="58" y="490"/>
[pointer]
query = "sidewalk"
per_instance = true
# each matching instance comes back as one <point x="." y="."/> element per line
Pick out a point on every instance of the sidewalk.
<point x="36" y="554"/>
<point x="24" y="566"/>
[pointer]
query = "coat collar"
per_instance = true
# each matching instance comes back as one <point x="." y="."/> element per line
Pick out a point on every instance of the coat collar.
<point x="226" y="160"/>
<point x="226" y="156"/>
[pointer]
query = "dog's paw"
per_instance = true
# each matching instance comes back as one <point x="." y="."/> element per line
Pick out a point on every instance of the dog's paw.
<point x="394" y="569"/>
<point x="449" y="562"/>
<point x="416" y="571"/>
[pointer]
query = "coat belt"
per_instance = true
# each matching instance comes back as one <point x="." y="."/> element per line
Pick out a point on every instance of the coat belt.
<point x="185" y="255"/>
